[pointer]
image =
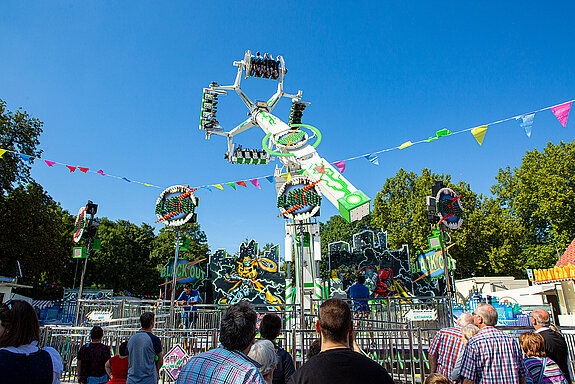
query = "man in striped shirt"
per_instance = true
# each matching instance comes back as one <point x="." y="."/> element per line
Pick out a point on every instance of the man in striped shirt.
<point x="229" y="363"/>
<point x="447" y="345"/>
<point x="491" y="356"/>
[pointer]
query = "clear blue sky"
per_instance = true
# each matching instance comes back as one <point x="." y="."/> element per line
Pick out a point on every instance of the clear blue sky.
<point x="119" y="85"/>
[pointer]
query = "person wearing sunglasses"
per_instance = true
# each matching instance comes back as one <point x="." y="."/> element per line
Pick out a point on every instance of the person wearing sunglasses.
<point x="21" y="360"/>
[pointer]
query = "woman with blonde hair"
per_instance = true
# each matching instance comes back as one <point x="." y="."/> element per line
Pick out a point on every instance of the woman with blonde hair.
<point x="540" y="369"/>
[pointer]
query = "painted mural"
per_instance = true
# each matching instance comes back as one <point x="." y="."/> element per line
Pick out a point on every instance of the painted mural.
<point x="387" y="272"/>
<point x="248" y="276"/>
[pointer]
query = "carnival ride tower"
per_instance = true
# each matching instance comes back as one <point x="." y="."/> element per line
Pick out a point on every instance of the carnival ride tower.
<point x="303" y="178"/>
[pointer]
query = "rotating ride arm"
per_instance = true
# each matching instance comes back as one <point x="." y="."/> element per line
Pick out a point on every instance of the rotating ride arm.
<point x="288" y="142"/>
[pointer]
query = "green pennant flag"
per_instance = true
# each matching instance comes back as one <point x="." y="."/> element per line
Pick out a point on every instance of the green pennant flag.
<point x="443" y="132"/>
<point x="431" y="139"/>
<point x="233" y="185"/>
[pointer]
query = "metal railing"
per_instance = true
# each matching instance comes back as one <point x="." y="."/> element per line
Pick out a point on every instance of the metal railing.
<point x="400" y="346"/>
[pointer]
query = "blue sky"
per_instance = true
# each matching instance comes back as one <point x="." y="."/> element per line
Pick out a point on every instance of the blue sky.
<point x="119" y="85"/>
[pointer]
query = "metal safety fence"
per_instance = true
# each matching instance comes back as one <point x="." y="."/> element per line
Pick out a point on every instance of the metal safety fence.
<point x="386" y="336"/>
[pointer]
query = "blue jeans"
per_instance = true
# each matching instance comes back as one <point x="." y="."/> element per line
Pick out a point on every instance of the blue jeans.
<point x="98" y="380"/>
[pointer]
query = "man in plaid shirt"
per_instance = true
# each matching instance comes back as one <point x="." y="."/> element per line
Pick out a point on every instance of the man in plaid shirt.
<point x="228" y="363"/>
<point x="491" y="356"/>
<point x="447" y="345"/>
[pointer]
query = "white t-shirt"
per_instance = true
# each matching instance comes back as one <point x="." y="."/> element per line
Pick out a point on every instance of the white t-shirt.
<point x="26" y="349"/>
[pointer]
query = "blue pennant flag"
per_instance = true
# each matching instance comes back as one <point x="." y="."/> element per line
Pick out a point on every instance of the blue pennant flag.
<point x="372" y="159"/>
<point x="526" y="123"/>
<point x="25" y="157"/>
<point x="206" y="187"/>
<point x="270" y="179"/>
<point x="129" y="181"/>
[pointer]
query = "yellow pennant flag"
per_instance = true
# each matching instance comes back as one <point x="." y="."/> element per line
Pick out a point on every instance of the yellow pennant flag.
<point x="218" y="186"/>
<point x="479" y="133"/>
<point x="286" y="176"/>
<point x="2" y="152"/>
<point x="405" y="145"/>
<point x="147" y="185"/>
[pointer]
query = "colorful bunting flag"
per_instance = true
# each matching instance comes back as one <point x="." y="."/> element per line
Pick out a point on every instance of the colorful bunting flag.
<point x="431" y="139"/>
<point x="242" y="183"/>
<point x="83" y="169"/>
<point x="526" y="123"/>
<point x="233" y="185"/>
<point x="405" y="145"/>
<point x="72" y="169"/>
<point x="206" y="187"/>
<point x="301" y="172"/>
<point x="25" y="157"/>
<point x="320" y="169"/>
<point x="218" y="186"/>
<point x="101" y="172"/>
<point x="340" y="165"/>
<point x="443" y="132"/>
<point x="2" y="152"/>
<point x="561" y="112"/>
<point x="372" y="159"/>
<point x="126" y="179"/>
<point x="148" y="185"/>
<point x="256" y="183"/>
<point x="286" y="176"/>
<point x="479" y="133"/>
<point x="270" y="179"/>
<point x="50" y="163"/>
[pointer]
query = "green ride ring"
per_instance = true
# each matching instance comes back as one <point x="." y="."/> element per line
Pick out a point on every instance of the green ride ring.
<point x="271" y="152"/>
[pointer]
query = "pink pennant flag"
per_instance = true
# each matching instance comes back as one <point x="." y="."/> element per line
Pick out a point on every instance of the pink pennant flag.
<point x="561" y="112"/>
<point x="83" y="169"/>
<point x="50" y="163"/>
<point x="340" y="165"/>
<point x="101" y="172"/>
<point x="320" y="169"/>
<point x="256" y="183"/>
<point x="242" y="183"/>
<point x="72" y="169"/>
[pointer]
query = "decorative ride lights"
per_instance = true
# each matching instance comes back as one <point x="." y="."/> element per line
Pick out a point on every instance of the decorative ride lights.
<point x="175" y="207"/>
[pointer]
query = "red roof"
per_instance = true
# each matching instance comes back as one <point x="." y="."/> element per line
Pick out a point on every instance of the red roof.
<point x="568" y="257"/>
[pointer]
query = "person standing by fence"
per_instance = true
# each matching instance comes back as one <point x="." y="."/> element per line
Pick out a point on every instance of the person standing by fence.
<point x="189" y="298"/>
<point x="145" y="353"/>
<point x="337" y="362"/>
<point x="117" y="366"/>
<point x="21" y="361"/>
<point x="555" y="344"/>
<point x="491" y="356"/>
<point x="92" y="359"/>
<point x="270" y="328"/>
<point x="228" y="363"/>
<point x="447" y="345"/>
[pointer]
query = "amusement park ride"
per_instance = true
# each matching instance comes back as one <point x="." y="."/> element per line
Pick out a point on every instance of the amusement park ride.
<point x="303" y="177"/>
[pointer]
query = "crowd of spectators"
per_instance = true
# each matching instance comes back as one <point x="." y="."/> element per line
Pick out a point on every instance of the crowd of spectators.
<point x="473" y="351"/>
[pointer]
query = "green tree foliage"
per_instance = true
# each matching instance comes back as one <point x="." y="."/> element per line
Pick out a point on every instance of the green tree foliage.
<point x="540" y="197"/>
<point x="18" y="132"/>
<point x="125" y="260"/>
<point x="35" y="230"/>
<point x="164" y="248"/>
<point x="400" y="209"/>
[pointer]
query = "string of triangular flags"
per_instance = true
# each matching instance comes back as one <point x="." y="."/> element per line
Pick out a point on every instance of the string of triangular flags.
<point x="526" y="121"/>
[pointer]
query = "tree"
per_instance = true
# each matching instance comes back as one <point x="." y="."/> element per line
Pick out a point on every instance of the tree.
<point x="540" y="197"/>
<point x="125" y="260"/>
<point x="18" y="132"/>
<point x="36" y="231"/>
<point x="400" y="209"/>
